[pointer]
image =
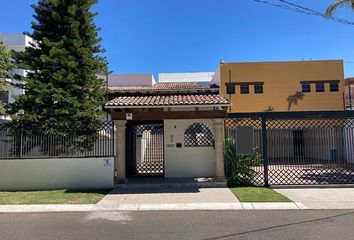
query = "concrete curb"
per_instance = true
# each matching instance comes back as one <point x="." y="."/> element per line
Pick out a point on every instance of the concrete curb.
<point x="149" y="207"/>
<point x="48" y="208"/>
<point x="171" y="185"/>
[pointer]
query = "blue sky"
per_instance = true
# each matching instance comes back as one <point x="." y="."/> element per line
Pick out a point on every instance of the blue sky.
<point x="150" y="36"/>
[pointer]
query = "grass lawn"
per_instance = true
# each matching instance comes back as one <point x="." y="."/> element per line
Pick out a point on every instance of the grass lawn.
<point x="53" y="197"/>
<point x="258" y="194"/>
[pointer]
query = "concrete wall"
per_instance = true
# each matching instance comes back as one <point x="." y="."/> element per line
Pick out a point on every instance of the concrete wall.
<point x="120" y="80"/>
<point x="216" y="78"/>
<point x="15" y="41"/>
<point x="61" y="173"/>
<point x="186" y="161"/>
<point x="282" y="85"/>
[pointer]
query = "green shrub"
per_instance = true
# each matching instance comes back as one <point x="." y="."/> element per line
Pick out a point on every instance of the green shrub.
<point x="238" y="168"/>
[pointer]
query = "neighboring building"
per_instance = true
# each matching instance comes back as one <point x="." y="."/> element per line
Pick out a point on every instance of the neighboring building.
<point x="16" y="42"/>
<point x="300" y="86"/>
<point x="349" y="93"/>
<point x="120" y="80"/>
<point x="282" y="86"/>
<point x="198" y="77"/>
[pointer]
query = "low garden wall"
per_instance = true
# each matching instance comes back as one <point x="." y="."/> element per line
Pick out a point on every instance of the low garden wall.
<point x="56" y="173"/>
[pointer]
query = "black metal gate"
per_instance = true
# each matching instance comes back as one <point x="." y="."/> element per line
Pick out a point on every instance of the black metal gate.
<point x="145" y="152"/>
<point x="303" y="148"/>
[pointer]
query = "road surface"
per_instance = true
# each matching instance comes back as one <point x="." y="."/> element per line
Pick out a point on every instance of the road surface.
<point x="206" y="225"/>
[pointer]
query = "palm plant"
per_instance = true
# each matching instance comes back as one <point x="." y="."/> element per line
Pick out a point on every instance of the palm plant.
<point x="339" y="3"/>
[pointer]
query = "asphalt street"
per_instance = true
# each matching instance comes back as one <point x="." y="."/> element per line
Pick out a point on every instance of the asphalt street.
<point x="206" y="225"/>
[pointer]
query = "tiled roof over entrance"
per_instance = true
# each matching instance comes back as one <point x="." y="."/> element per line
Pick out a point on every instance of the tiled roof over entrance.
<point x="170" y="86"/>
<point x="168" y="100"/>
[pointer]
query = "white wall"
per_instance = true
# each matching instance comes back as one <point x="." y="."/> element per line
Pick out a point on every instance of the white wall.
<point x="120" y="80"/>
<point x="186" y="161"/>
<point x="216" y="78"/>
<point x="15" y="41"/>
<point x="186" y="77"/>
<point x="60" y="173"/>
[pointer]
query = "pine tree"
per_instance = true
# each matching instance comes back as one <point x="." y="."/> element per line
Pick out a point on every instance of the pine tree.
<point x="62" y="87"/>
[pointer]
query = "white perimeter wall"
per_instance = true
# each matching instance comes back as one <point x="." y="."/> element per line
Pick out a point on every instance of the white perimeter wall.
<point x="186" y="161"/>
<point x="60" y="173"/>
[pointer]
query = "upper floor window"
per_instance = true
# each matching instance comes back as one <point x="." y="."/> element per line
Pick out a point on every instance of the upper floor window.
<point x="320" y="87"/>
<point x="230" y="89"/>
<point x="334" y="86"/>
<point x="245" y="89"/>
<point x="258" y="88"/>
<point x="306" y="87"/>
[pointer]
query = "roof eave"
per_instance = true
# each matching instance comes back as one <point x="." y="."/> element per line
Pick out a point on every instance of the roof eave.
<point x="169" y="106"/>
<point x="167" y="91"/>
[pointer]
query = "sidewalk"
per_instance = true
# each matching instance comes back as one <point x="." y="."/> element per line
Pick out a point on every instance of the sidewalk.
<point x="183" y="199"/>
<point x="158" y="199"/>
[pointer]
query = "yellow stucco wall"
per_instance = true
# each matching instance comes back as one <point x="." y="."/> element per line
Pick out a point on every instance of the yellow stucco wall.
<point x="281" y="81"/>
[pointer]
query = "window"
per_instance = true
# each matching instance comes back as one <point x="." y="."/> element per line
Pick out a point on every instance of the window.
<point x="230" y="89"/>
<point x="198" y="135"/>
<point x="320" y="87"/>
<point x="333" y="86"/>
<point x="4" y="97"/>
<point x="245" y="89"/>
<point x="306" y="87"/>
<point x="258" y="88"/>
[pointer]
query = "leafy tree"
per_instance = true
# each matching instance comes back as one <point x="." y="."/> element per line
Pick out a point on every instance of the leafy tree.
<point x="339" y="3"/>
<point x="62" y="88"/>
<point x="6" y="65"/>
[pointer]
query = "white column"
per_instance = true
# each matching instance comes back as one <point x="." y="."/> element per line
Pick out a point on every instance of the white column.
<point x="219" y="148"/>
<point x="120" y="157"/>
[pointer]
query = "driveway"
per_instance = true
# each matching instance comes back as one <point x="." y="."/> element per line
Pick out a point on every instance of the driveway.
<point x="322" y="198"/>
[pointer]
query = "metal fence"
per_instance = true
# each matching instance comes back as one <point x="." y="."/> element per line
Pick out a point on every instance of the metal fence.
<point x="297" y="148"/>
<point x="23" y="142"/>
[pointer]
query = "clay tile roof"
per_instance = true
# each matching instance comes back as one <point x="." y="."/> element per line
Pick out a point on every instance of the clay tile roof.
<point x="350" y="79"/>
<point x="162" y="87"/>
<point x="168" y="100"/>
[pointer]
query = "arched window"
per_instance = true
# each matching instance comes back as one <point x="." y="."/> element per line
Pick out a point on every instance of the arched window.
<point x="198" y="135"/>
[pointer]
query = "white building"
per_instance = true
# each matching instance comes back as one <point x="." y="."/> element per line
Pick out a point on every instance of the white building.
<point x="16" y="42"/>
<point x="186" y="77"/>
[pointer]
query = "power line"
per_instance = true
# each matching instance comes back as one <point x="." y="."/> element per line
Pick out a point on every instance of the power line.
<point x="287" y="5"/>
